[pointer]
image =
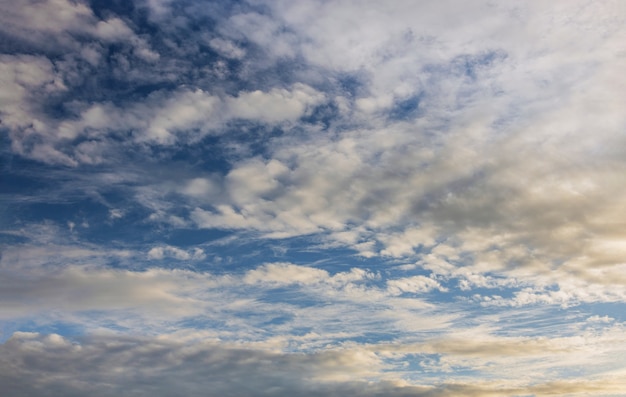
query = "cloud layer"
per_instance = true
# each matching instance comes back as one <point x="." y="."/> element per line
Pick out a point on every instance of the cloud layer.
<point x="107" y="366"/>
<point x="332" y="198"/>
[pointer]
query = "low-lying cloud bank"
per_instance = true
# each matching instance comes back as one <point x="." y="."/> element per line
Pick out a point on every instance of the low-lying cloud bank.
<point x="34" y="365"/>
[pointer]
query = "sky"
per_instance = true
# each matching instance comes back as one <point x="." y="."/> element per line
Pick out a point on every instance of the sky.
<point x="312" y="198"/>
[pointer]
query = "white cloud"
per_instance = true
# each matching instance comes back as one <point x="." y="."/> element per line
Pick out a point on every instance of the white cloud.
<point x="116" y="213"/>
<point x="227" y="48"/>
<point x="99" y="297"/>
<point x="49" y="17"/>
<point x="56" y="23"/>
<point x="113" y="29"/>
<point x="415" y="284"/>
<point x="286" y="273"/>
<point x="24" y="77"/>
<point x="187" y="111"/>
<point x="184" y="116"/>
<point x="401" y="244"/>
<point x="263" y="30"/>
<point x="277" y="105"/>
<point x="600" y="319"/>
<point x="203" y="188"/>
<point x="167" y="251"/>
<point x="76" y="289"/>
<point x="53" y="246"/>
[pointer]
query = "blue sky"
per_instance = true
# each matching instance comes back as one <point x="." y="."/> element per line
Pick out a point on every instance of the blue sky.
<point x="274" y="198"/>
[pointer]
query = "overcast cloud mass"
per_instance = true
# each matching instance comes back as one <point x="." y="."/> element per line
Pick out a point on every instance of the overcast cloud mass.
<point x="312" y="198"/>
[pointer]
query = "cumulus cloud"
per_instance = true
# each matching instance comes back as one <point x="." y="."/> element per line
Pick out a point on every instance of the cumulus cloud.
<point x="56" y="26"/>
<point x="275" y="106"/>
<point x="286" y="274"/>
<point x="161" y="252"/>
<point x="164" y="118"/>
<point x="23" y="77"/>
<point x="415" y="284"/>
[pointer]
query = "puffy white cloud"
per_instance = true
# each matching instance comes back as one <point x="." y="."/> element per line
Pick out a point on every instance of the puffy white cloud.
<point x="113" y="29"/>
<point x="286" y="273"/>
<point x="23" y="78"/>
<point x="54" y="24"/>
<point x="167" y="251"/>
<point x="401" y="244"/>
<point x="188" y="111"/>
<point x="203" y="188"/>
<point x="164" y="118"/>
<point x="277" y="105"/>
<point x="415" y="284"/>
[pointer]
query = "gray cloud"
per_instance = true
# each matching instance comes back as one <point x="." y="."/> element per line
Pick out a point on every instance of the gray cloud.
<point x="36" y="365"/>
